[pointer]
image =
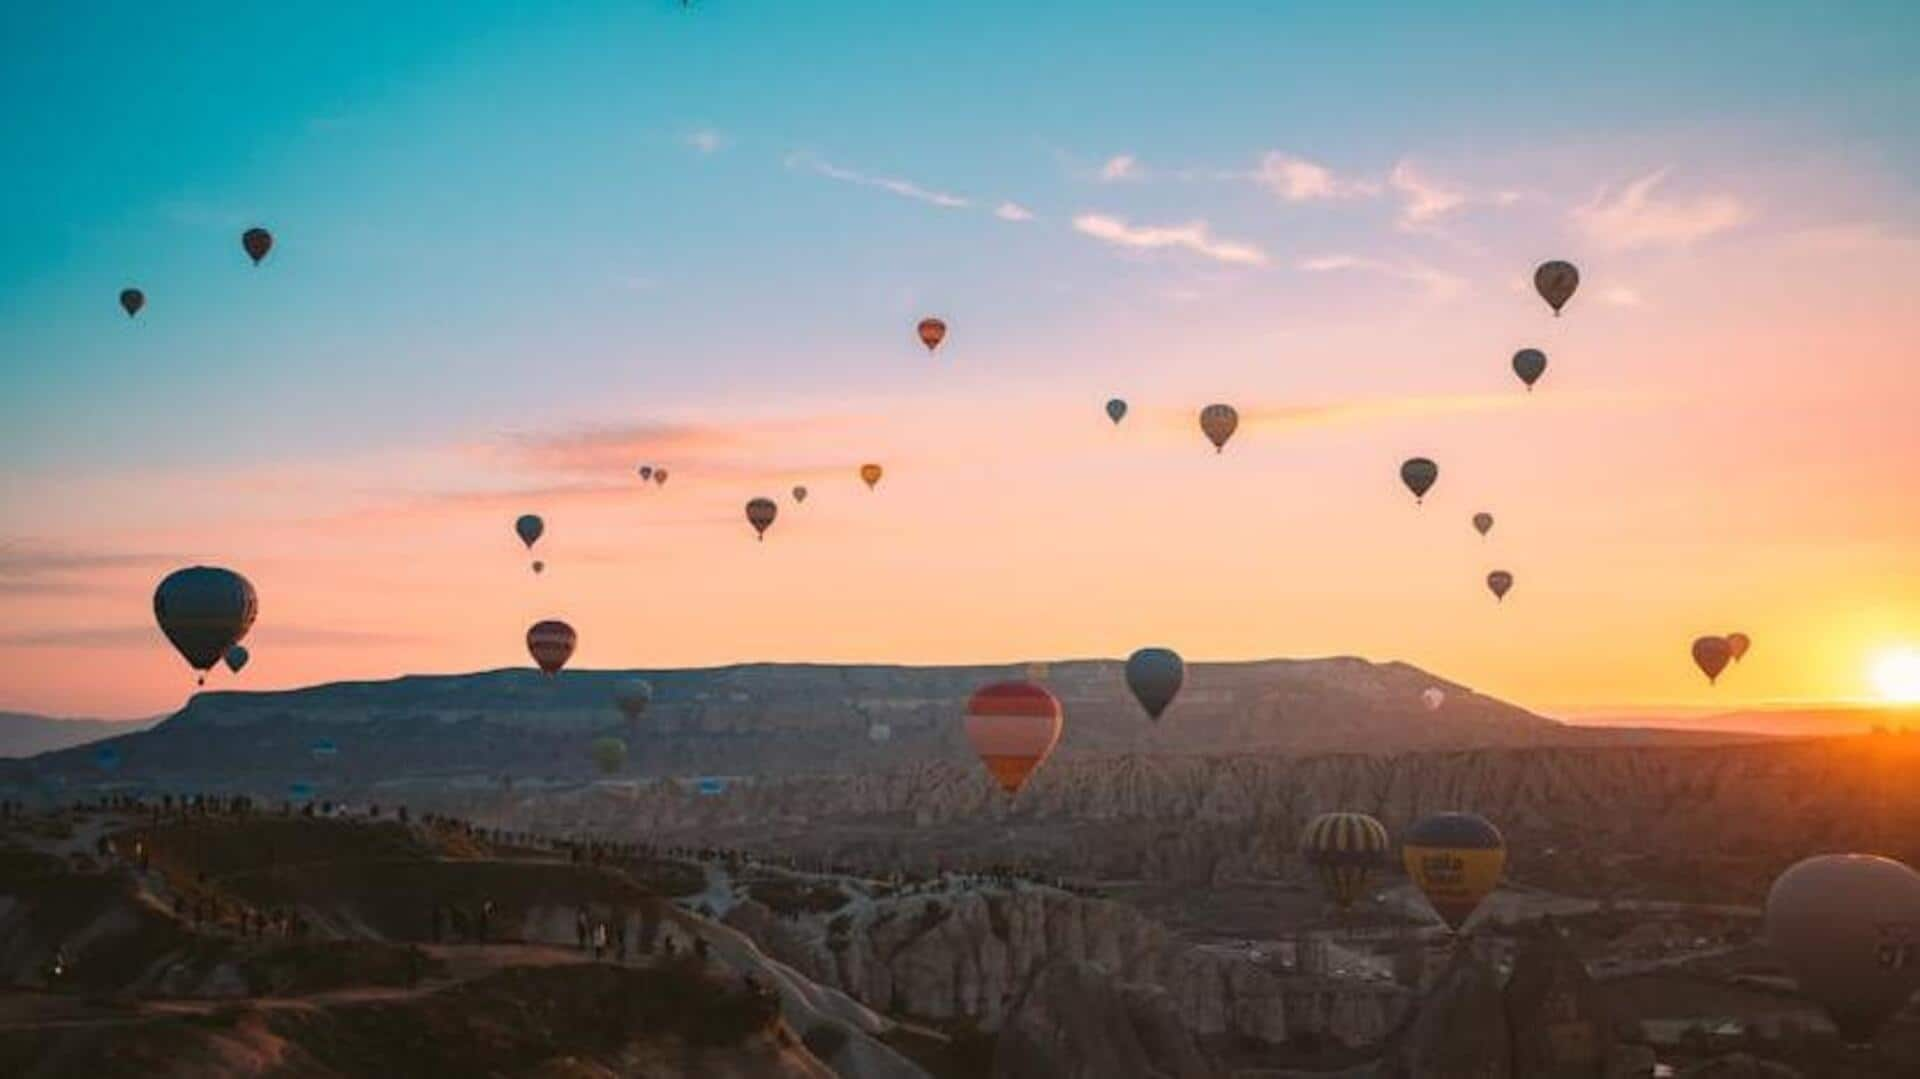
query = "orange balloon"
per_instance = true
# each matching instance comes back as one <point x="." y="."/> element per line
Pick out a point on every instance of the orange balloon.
<point x="1013" y="726"/>
<point x="870" y="475"/>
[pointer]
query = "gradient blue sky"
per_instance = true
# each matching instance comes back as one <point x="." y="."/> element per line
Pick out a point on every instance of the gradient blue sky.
<point x="505" y="229"/>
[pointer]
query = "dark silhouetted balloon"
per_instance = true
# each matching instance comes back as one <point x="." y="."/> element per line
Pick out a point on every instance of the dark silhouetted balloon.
<point x="799" y="494"/>
<point x="632" y="696"/>
<point x="1848" y="927"/>
<point x="870" y="475"/>
<point x="1499" y="582"/>
<point x="1529" y="364"/>
<point x="132" y="300"/>
<point x="760" y="514"/>
<point x="539" y="566"/>
<point x="1013" y="726"/>
<point x="1116" y="410"/>
<point x="646" y="472"/>
<point x="551" y="645"/>
<point x="1455" y="859"/>
<point x="529" y="528"/>
<point x="1483" y="523"/>
<point x="1219" y="422"/>
<point x="237" y="657"/>
<point x="1737" y="645"/>
<point x="204" y="611"/>
<point x="1555" y="282"/>
<point x="1155" y="676"/>
<point x="932" y="332"/>
<point x="1344" y="849"/>
<point x="1711" y="654"/>
<point x="257" y="242"/>
<point x="1418" y="473"/>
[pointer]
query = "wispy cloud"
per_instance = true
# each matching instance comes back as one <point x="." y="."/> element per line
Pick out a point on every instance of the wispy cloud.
<point x="706" y="140"/>
<point x="1193" y="236"/>
<point x="1437" y="283"/>
<point x="1121" y="167"/>
<point x="1012" y="211"/>
<point x="1425" y="200"/>
<point x="906" y="189"/>
<point x="28" y="569"/>
<point x="1621" y="296"/>
<point x="1295" y="179"/>
<point x="1637" y="216"/>
<point x="271" y="635"/>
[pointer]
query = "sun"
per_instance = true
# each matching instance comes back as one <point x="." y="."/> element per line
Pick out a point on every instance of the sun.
<point x="1896" y="675"/>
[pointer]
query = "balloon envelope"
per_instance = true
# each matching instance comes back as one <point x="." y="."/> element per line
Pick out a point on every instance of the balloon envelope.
<point x="659" y="477"/>
<point x="1013" y="726"/>
<point x="932" y="331"/>
<point x="551" y="645"/>
<point x="1499" y="582"/>
<point x="237" y="657"/>
<point x="1116" y="410"/>
<point x="1419" y="473"/>
<point x="609" y="755"/>
<point x="1711" y="655"/>
<point x="632" y="697"/>
<point x="760" y="514"/>
<point x="204" y="610"/>
<point x="1737" y="645"/>
<point x="529" y="527"/>
<point x="1483" y="523"/>
<point x="1848" y="927"/>
<point x="1219" y="422"/>
<point x="1555" y="282"/>
<point x="132" y="300"/>
<point x="1455" y="859"/>
<point x="646" y="472"/>
<point x="1529" y="364"/>
<point x="799" y="494"/>
<point x="1344" y="849"/>
<point x="256" y="242"/>
<point x="1155" y="676"/>
<point x="870" y="475"/>
<point x="1432" y="698"/>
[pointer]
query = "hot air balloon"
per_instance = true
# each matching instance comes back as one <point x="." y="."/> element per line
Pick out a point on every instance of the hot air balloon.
<point x="257" y="242"/>
<point x="1155" y="675"/>
<point x="1344" y="849"/>
<point x="646" y="472"/>
<point x="1711" y="654"/>
<point x="1432" y="698"/>
<point x="932" y="332"/>
<point x="1483" y="523"/>
<point x="760" y="514"/>
<point x="1498" y="582"/>
<point x="1555" y="282"/>
<point x="1529" y="364"/>
<point x="1455" y="859"/>
<point x="1116" y="410"/>
<point x="1737" y="645"/>
<point x="1418" y="473"/>
<point x="632" y="697"/>
<point x="659" y="477"/>
<point x="1848" y="927"/>
<point x="132" y="300"/>
<point x="1013" y="726"/>
<point x="551" y="645"/>
<point x="609" y="755"/>
<point x="799" y="494"/>
<point x="204" y="611"/>
<point x="870" y="475"/>
<point x="529" y="527"/>
<point x="237" y="657"/>
<point x="539" y="566"/>
<point x="1219" y="422"/>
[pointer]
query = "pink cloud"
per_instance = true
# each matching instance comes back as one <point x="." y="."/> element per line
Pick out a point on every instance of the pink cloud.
<point x="1194" y="236"/>
<point x="1637" y="216"/>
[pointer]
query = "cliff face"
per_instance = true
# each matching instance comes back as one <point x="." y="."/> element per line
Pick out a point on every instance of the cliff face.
<point x="973" y="954"/>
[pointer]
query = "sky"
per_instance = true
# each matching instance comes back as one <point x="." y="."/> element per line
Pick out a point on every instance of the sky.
<point x="522" y="249"/>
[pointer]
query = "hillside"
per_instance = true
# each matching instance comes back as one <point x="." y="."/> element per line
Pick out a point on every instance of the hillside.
<point x="23" y="735"/>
